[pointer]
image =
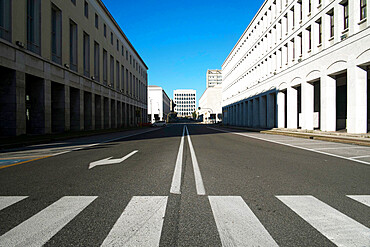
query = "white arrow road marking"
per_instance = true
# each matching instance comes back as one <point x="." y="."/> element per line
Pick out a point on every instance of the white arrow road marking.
<point x="109" y="161"/>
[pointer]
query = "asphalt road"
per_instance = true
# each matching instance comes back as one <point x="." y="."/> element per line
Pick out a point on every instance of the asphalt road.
<point x="190" y="185"/>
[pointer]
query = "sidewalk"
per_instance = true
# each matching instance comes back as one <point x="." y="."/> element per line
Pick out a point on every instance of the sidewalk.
<point x="28" y="140"/>
<point x="341" y="137"/>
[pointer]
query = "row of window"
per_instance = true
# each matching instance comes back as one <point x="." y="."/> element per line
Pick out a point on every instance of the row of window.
<point x="287" y="22"/>
<point x="306" y="41"/>
<point x="184" y="94"/>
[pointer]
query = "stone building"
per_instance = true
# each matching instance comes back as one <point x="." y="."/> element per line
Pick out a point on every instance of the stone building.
<point x="301" y="64"/>
<point x="185" y="100"/>
<point x="158" y="104"/>
<point x="67" y="65"/>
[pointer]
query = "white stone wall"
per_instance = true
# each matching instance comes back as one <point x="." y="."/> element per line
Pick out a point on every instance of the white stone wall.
<point x="274" y="54"/>
<point x="210" y="102"/>
<point x="158" y="103"/>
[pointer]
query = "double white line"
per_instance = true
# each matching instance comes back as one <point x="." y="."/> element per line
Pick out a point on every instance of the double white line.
<point x="176" y="180"/>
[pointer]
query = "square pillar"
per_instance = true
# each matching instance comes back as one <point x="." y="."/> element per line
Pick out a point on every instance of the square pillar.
<point x="307" y="100"/>
<point x="256" y="120"/>
<point x="271" y="110"/>
<point x="281" y="109"/>
<point x="67" y="108"/>
<point x="292" y="108"/>
<point x="328" y="103"/>
<point x="356" y="100"/>
<point x="262" y="110"/>
<point x="250" y="113"/>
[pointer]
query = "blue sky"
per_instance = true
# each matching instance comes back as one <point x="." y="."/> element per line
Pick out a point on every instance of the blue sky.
<point x="179" y="40"/>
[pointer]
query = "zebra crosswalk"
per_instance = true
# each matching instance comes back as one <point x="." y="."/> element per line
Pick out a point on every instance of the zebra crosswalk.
<point x="141" y="221"/>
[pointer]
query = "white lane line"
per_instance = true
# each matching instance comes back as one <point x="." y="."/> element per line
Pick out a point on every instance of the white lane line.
<point x="364" y="199"/>
<point x="198" y="176"/>
<point x="303" y="148"/>
<point x="110" y="161"/>
<point x="336" y="226"/>
<point x="6" y="201"/>
<point x="237" y="224"/>
<point x="176" y="179"/>
<point x="359" y="157"/>
<point x="38" y="229"/>
<point x="342" y="148"/>
<point x="140" y="223"/>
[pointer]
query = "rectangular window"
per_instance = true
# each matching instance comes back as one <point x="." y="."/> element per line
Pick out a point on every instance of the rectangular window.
<point x="320" y="30"/>
<point x="293" y="50"/>
<point x="126" y="54"/>
<point x="56" y="34"/>
<point x="73" y="1"/>
<point x="118" y="84"/>
<point x="130" y="59"/>
<point x="122" y="79"/>
<point x="86" y="9"/>
<point x="105" y="67"/>
<point x="130" y="91"/>
<point x="86" y="54"/>
<point x="34" y="26"/>
<point x="300" y="9"/>
<point x="309" y="38"/>
<point x="293" y="17"/>
<point x="331" y="20"/>
<point x="122" y="51"/>
<point x="73" y="45"/>
<point x="126" y="82"/>
<point x="309" y="6"/>
<point x="363" y="9"/>
<point x="5" y="20"/>
<point x="96" y="21"/>
<point x="345" y="17"/>
<point x="97" y="61"/>
<point x="112" y="71"/>
<point x="105" y="30"/>
<point x="111" y="38"/>
<point x="117" y="45"/>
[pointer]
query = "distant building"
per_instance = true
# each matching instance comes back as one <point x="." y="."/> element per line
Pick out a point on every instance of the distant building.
<point x="211" y="100"/>
<point x="185" y="100"/>
<point x="214" y="77"/>
<point x="67" y="65"/>
<point x="158" y="104"/>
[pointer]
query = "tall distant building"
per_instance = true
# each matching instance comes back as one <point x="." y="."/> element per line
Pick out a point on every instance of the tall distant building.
<point x="214" y="77"/>
<point x="185" y="100"/>
<point x="158" y="104"/>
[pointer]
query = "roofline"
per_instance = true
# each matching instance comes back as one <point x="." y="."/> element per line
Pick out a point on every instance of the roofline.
<point x="120" y="30"/>
<point x="264" y="3"/>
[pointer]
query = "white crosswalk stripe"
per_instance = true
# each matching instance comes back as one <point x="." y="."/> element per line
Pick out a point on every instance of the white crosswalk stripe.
<point x="38" y="229"/>
<point x="6" y="201"/>
<point x="364" y="199"/>
<point x="237" y="224"/>
<point x="140" y="223"/>
<point x="337" y="227"/>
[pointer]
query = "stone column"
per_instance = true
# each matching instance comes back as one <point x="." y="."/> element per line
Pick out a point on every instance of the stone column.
<point x="356" y="100"/>
<point x="270" y="110"/>
<point x="307" y="102"/>
<point x="93" y="111"/>
<point x="67" y="108"/>
<point x="281" y="109"/>
<point x="82" y="110"/>
<point x="256" y="122"/>
<point x="262" y="111"/>
<point x="292" y="108"/>
<point x="328" y="103"/>
<point x="250" y="113"/>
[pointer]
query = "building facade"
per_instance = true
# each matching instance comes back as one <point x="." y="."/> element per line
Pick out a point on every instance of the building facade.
<point x="158" y="104"/>
<point x="214" y="77"/>
<point x="301" y="64"/>
<point x="67" y="65"/>
<point x="210" y="105"/>
<point x="185" y="100"/>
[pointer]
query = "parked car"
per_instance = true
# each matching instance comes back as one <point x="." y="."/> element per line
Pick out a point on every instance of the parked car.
<point x="159" y="124"/>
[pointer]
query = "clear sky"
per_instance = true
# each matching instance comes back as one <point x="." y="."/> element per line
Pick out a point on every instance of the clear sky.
<point x="180" y="39"/>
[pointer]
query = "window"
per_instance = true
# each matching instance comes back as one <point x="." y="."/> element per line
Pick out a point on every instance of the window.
<point x="293" y="17"/>
<point x="130" y="59"/>
<point x="320" y="30"/>
<point x="293" y="49"/>
<point x="126" y="54"/>
<point x="122" y="51"/>
<point x="112" y="71"/>
<point x="34" y="26"/>
<point x="300" y="9"/>
<point x="105" y="67"/>
<point x="105" y="30"/>
<point x="309" y="38"/>
<point x="111" y="38"/>
<point x="362" y="9"/>
<point x="130" y="85"/>
<point x="118" y="84"/>
<point x="126" y="82"/>
<point x="117" y="45"/>
<point x="56" y="35"/>
<point x="73" y="45"/>
<point x="86" y="54"/>
<point x="5" y="20"/>
<point x="122" y="79"/>
<point x="97" y="61"/>
<point x="96" y="21"/>
<point x="331" y="20"/>
<point x="345" y="13"/>
<point x="309" y="6"/>
<point x="73" y="1"/>
<point x="86" y="10"/>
